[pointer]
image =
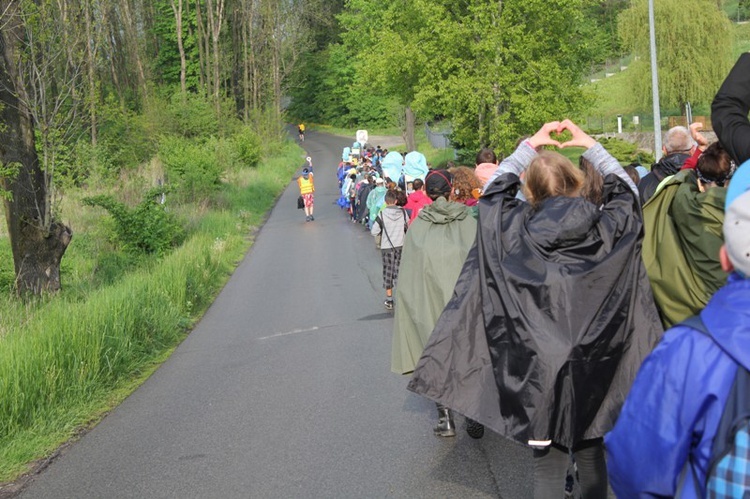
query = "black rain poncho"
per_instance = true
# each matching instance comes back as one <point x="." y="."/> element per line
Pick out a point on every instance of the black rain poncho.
<point x="550" y="319"/>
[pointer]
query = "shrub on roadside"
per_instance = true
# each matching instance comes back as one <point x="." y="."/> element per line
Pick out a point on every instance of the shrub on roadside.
<point x="248" y="145"/>
<point x="147" y="228"/>
<point x="626" y="152"/>
<point x="192" y="168"/>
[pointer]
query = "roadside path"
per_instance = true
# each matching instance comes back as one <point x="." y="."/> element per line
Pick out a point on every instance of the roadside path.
<point x="284" y="389"/>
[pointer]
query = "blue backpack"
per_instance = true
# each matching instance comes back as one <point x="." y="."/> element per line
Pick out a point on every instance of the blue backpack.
<point x="729" y="469"/>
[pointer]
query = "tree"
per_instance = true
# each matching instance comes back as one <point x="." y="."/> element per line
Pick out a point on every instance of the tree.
<point x="38" y="241"/>
<point x="692" y="37"/>
<point x="496" y="70"/>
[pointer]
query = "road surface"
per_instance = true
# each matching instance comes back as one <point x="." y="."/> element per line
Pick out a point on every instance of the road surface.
<point x="284" y="389"/>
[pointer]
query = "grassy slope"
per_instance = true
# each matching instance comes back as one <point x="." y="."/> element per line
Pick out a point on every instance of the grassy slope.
<point x="611" y="93"/>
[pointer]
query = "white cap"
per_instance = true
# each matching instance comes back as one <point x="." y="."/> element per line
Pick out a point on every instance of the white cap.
<point x="737" y="233"/>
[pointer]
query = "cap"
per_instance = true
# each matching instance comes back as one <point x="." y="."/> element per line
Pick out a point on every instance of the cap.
<point x="737" y="233"/>
<point x="737" y="220"/>
<point x="438" y="182"/>
<point x="379" y="180"/>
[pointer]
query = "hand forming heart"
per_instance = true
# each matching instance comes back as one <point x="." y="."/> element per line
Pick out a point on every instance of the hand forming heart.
<point x="543" y="136"/>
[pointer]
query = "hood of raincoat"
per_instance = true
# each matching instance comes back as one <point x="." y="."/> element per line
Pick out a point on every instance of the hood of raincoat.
<point x="484" y="171"/>
<point x="550" y="318"/>
<point x="442" y="211"/>
<point x="392" y="165"/>
<point x="415" y="165"/>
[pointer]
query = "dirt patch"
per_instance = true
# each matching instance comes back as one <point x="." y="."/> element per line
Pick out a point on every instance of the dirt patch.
<point x="386" y="141"/>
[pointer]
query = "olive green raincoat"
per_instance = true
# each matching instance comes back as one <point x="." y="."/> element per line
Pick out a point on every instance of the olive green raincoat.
<point x="683" y="235"/>
<point x="434" y="251"/>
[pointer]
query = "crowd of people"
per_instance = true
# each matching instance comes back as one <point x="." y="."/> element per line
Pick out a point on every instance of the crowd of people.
<point x="532" y="296"/>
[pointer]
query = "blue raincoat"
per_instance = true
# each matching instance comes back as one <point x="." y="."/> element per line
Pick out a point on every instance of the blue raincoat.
<point x="415" y="165"/>
<point x="392" y="165"/>
<point x="674" y="407"/>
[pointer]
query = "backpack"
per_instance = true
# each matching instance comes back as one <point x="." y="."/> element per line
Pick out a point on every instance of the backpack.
<point x="729" y="468"/>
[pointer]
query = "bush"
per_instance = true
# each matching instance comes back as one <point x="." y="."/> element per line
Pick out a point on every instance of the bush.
<point x="147" y="228"/>
<point x="192" y="116"/>
<point x="125" y="136"/>
<point x="626" y="152"/>
<point x="193" y="167"/>
<point x="248" y="146"/>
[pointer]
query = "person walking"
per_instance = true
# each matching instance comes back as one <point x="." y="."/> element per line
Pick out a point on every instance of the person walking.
<point x="306" y="190"/>
<point x="552" y="314"/>
<point x="434" y="252"/>
<point x="391" y="225"/>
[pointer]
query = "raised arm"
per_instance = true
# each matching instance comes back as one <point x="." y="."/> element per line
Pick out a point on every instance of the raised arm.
<point x="729" y="111"/>
<point x="525" y="153"/>
<point x="603" y="161"/>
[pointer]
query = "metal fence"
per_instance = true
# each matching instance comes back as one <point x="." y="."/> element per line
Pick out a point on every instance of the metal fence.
<point x="438" y="140"/>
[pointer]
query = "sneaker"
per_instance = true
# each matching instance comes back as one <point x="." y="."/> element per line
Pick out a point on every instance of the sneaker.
<point x="307" y="218"/>
<point x="388" y="304"/>
<point x="474" y="429"/>
<point x="312" y="218"/>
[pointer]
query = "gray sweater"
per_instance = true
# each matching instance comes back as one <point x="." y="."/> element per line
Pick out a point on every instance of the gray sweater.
<point x="394" y="222"/>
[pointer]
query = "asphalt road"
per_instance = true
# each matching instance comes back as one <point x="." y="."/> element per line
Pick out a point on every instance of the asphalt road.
<point x="284" y="389"/>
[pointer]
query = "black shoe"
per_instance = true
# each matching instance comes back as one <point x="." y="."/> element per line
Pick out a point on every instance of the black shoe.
<point x="312" y="218"/>
<point x="388" y="304"/>
<point x="474" y="429"/>
<point x="445" y="426"/>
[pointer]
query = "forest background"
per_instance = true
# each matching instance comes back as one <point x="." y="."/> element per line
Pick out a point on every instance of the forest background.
<point x="144" y="140"/>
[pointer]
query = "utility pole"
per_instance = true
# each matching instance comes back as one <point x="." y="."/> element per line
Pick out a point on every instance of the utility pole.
<point x="654" y="82"/>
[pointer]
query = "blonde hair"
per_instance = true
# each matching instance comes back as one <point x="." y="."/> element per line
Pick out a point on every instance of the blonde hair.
<point x="551" y="174"/>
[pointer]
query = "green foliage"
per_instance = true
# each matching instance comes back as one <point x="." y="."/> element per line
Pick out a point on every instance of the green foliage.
<point x="691" y="68"/>
<point x="147" y="228"/>
<point x="191" y="166"/>
<point x="495" y="70"/>
<point x="8" y="172"/>
<point x="248" y="147"/>
<point x="191" y="116"/>
<point x="627" y="152"/>
<point x="125" y="135"/>
<point x="167" y="62"/>
<point x="329" y="90"/>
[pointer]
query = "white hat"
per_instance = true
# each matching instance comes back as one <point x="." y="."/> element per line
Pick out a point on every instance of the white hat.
<point x="737" y="233"/>
<point x="379" y="180"/>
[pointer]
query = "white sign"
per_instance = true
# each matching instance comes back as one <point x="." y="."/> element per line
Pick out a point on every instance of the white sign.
<point x="362" y="137"/>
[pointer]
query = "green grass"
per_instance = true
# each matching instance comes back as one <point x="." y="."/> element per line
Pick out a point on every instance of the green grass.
<point x="742" y="39"/>
<point x="66" y="360"/>
<point x="611" y="95"/>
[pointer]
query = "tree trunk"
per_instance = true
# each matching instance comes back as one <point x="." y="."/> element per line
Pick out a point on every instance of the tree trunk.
<point x="204" y="53"/>
<point x="91" y="61"/>
<point x="37" y="250"/>
<point x="177" y="9"/>
<point x="215" y="19"/>
<point x="411" y="142"/>
<point x="133" y="41"/>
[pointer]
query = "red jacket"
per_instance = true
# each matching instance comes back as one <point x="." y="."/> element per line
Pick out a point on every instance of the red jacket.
<point x="415" y="202"/>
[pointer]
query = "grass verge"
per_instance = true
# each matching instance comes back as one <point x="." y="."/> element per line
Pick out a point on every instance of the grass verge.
<point x="65" y="361"/>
